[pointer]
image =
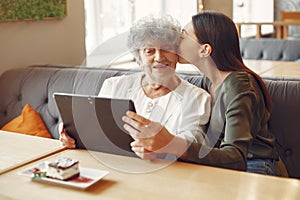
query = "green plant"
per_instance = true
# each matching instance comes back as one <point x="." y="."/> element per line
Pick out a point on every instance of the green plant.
<point x="15" y="10"/>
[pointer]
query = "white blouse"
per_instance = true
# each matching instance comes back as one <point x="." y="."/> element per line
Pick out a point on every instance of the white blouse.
<point x="184" y="111"/>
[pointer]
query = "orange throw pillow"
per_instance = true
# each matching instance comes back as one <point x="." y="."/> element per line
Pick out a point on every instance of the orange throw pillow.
<point x="29" y="122"/>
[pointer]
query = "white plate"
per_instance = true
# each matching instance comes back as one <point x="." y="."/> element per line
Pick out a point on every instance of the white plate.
<point x="87" y="176"/>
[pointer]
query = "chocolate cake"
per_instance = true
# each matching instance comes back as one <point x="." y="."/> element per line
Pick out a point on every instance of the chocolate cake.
<point x="63" y="169"/>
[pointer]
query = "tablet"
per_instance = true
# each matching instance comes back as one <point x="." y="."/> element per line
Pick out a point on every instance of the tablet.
<point x="95" y="122"/>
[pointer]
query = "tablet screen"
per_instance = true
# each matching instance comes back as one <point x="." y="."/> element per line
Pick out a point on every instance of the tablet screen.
<point x="95" y="122"/>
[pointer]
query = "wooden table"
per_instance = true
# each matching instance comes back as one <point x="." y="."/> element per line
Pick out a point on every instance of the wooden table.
<point x="19" y="149"/>
<point x="265" y="68"/>
<point x="262" y="66"/>
<point x="176" y="181"/>
<point x="275" y="69"/>
<point x="284" y="70"/>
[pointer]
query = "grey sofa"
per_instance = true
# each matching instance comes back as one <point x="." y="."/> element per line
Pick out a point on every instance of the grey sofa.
<point x="36" y="84"/>
<point x="270" y="49"/>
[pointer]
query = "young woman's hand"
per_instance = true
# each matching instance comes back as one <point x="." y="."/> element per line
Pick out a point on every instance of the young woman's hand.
<point x="152" y="138"/>
<point x="65" y="139"/>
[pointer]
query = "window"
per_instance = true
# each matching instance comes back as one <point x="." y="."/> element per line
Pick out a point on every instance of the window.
<point x="253" y="11"/>
<point x="108" y="21"/>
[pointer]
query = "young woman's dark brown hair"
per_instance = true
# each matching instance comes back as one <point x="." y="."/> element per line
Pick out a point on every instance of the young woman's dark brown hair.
<point x="219" y="31"/>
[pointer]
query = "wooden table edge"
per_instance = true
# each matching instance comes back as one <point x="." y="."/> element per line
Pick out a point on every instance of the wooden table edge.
<point x="60" y="149"/>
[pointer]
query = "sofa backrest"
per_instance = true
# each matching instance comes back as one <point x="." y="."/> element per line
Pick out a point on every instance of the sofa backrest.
<point x="270" y="49"/>
<point x="285" y="121"/>
<point x="36" y="85"/>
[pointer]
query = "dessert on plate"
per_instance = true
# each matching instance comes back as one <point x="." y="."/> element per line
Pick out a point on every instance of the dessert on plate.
<point x="63" y="169"/>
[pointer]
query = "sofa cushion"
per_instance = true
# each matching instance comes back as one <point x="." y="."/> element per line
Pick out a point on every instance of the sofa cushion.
<point x="28" y="122"/>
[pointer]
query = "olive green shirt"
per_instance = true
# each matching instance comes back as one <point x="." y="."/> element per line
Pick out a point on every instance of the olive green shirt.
<point x="238" y="128"/>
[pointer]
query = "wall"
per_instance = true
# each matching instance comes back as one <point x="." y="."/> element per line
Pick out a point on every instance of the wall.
<point x="288" y="5"/>
<point x="44" y="42"/>
<point x="224" y="6"/>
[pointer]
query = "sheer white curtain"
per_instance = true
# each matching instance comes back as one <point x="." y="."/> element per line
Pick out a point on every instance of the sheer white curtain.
<point x="93" y="25"/>
<point x="107" y="22"/>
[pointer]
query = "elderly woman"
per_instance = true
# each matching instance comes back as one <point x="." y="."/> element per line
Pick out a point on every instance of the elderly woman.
<point x="158" y="93"/>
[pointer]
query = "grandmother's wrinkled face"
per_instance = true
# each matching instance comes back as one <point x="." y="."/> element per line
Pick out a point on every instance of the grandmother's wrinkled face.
<point x="158" y="59"/>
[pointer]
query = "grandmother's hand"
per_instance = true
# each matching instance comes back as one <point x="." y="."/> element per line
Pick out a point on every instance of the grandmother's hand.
<point x="65" y="139"/>
<point x="150" y="137"/>
<point x="141" y="152"/>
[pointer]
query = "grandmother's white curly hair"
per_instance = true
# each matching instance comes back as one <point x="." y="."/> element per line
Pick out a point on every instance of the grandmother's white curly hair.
<point x="152" y="27"/>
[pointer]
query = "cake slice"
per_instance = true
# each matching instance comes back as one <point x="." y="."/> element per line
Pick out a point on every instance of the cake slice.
<point x="63" y="169"/>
